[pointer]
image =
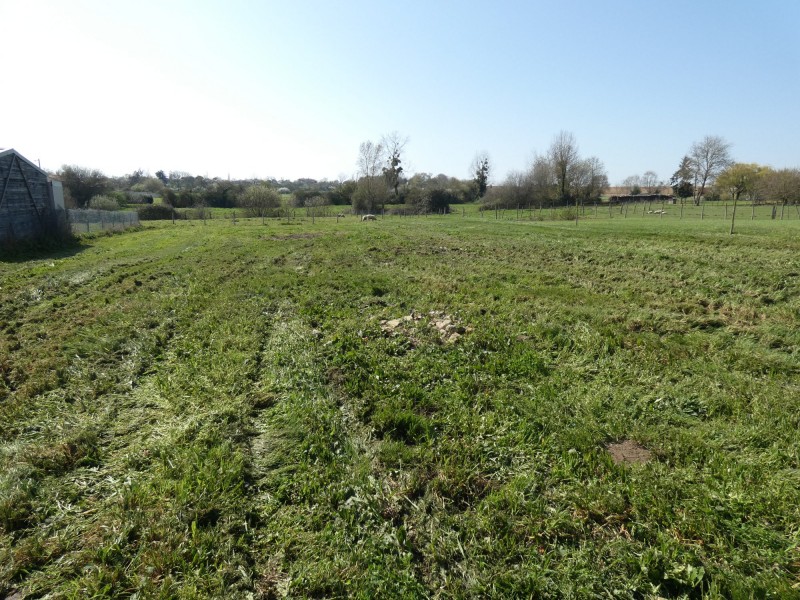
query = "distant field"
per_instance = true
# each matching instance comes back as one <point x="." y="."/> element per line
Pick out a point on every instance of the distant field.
<point x="713" y="211"/>
<point x="460" y="406"/>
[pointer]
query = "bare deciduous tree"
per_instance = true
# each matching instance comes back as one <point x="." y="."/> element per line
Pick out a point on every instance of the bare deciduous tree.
<point x="516" y="190"/>
<point x="782" y="185"/>
<point x="393" y="145"/>
<point x="543" y="180"/>
<point x="708" y="158"/>
<point x="372" y="189"/>
<point x="315" y="204"/>
<point x="634" y="184"/>
<point x="593" y="179"/>
<point x="370" y="159"/>
<point x="563" y="156"/>
<point x="560" y="175"/>
<point x="650" y="182"/>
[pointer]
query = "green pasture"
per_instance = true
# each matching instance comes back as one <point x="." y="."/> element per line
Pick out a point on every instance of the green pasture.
<point x="719" y="211"/>
<point x="417" y="407"/>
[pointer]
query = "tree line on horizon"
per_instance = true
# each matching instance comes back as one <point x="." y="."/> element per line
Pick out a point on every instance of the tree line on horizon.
<point x="560" y="176"/>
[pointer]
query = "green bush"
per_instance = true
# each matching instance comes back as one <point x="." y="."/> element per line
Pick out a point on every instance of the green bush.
<point x="198" y="213"/>
<point x="156" y="212"/>
<point x="103" y="202"/>
<point x="134" y="197"/>
<point x="259" y="201"/>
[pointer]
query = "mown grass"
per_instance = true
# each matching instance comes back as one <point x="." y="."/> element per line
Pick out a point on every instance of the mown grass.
<point x="221" y="410"/>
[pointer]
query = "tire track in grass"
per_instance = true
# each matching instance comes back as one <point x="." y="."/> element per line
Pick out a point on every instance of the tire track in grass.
<point x="283" y="390"/>
<point x="68" y="459"/>
<point x="64" y="435"/>
<point x="320" y="531"/>
<point x="157" y="510"/>
<point x="186" y="503"/>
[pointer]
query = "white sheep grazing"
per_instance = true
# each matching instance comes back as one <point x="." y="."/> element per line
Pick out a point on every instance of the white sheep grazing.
<point x="369" y="218"/>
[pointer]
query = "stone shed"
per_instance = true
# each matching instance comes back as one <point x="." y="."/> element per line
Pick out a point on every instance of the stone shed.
<point x="31" y="205"/>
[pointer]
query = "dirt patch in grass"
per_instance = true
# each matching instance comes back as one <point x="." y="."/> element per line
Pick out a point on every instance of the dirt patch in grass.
<point x="390" y="326"/>
<point x="449" y="330"/>
<point x="629" y="452"/>
<point x="292" y="236"/>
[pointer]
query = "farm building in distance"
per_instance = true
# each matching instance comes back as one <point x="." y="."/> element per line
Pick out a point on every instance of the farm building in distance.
<point x="31" y="205"/>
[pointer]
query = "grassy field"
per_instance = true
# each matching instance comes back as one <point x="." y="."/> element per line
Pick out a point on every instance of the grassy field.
<point x="717" y="211"/>
<point x="415" y="407"/>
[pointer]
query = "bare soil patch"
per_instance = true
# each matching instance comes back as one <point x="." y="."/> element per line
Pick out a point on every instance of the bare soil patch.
<point x="449" y="330"/>
<point x="629" y="452"/>
<point x="292" y="236"/>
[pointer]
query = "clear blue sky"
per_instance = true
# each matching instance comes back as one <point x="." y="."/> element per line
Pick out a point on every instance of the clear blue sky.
<point x="289" y="89"/>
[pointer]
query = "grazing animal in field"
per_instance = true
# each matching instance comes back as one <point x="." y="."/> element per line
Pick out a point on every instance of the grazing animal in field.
<point x="340" y="216"/>
<point x="369" y="218"/>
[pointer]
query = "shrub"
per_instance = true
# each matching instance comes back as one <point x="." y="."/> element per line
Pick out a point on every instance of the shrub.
<point x="185" y="199"/>
<point x="440" y="200"/>
<point x="120" y="197"/>
<point x="168" y="196"/>
<point x="566" y="214"/>
<point x="136" y="197"/>
<point x="302" y="196"/>
<point x="152" y="185"/>
<point x="260" y="201"/>
<point x="103" y="202"/>
<point x="342" y="194"/>
<point x="155" y="212"/>
<point x="198" y="213"/>
<point x="402" y="210"/>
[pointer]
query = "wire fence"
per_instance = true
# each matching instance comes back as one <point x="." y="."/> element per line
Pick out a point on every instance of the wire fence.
<point x="601" y="211"/>
<point x="714" y="210"/>
<point x="90" y="220"/>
